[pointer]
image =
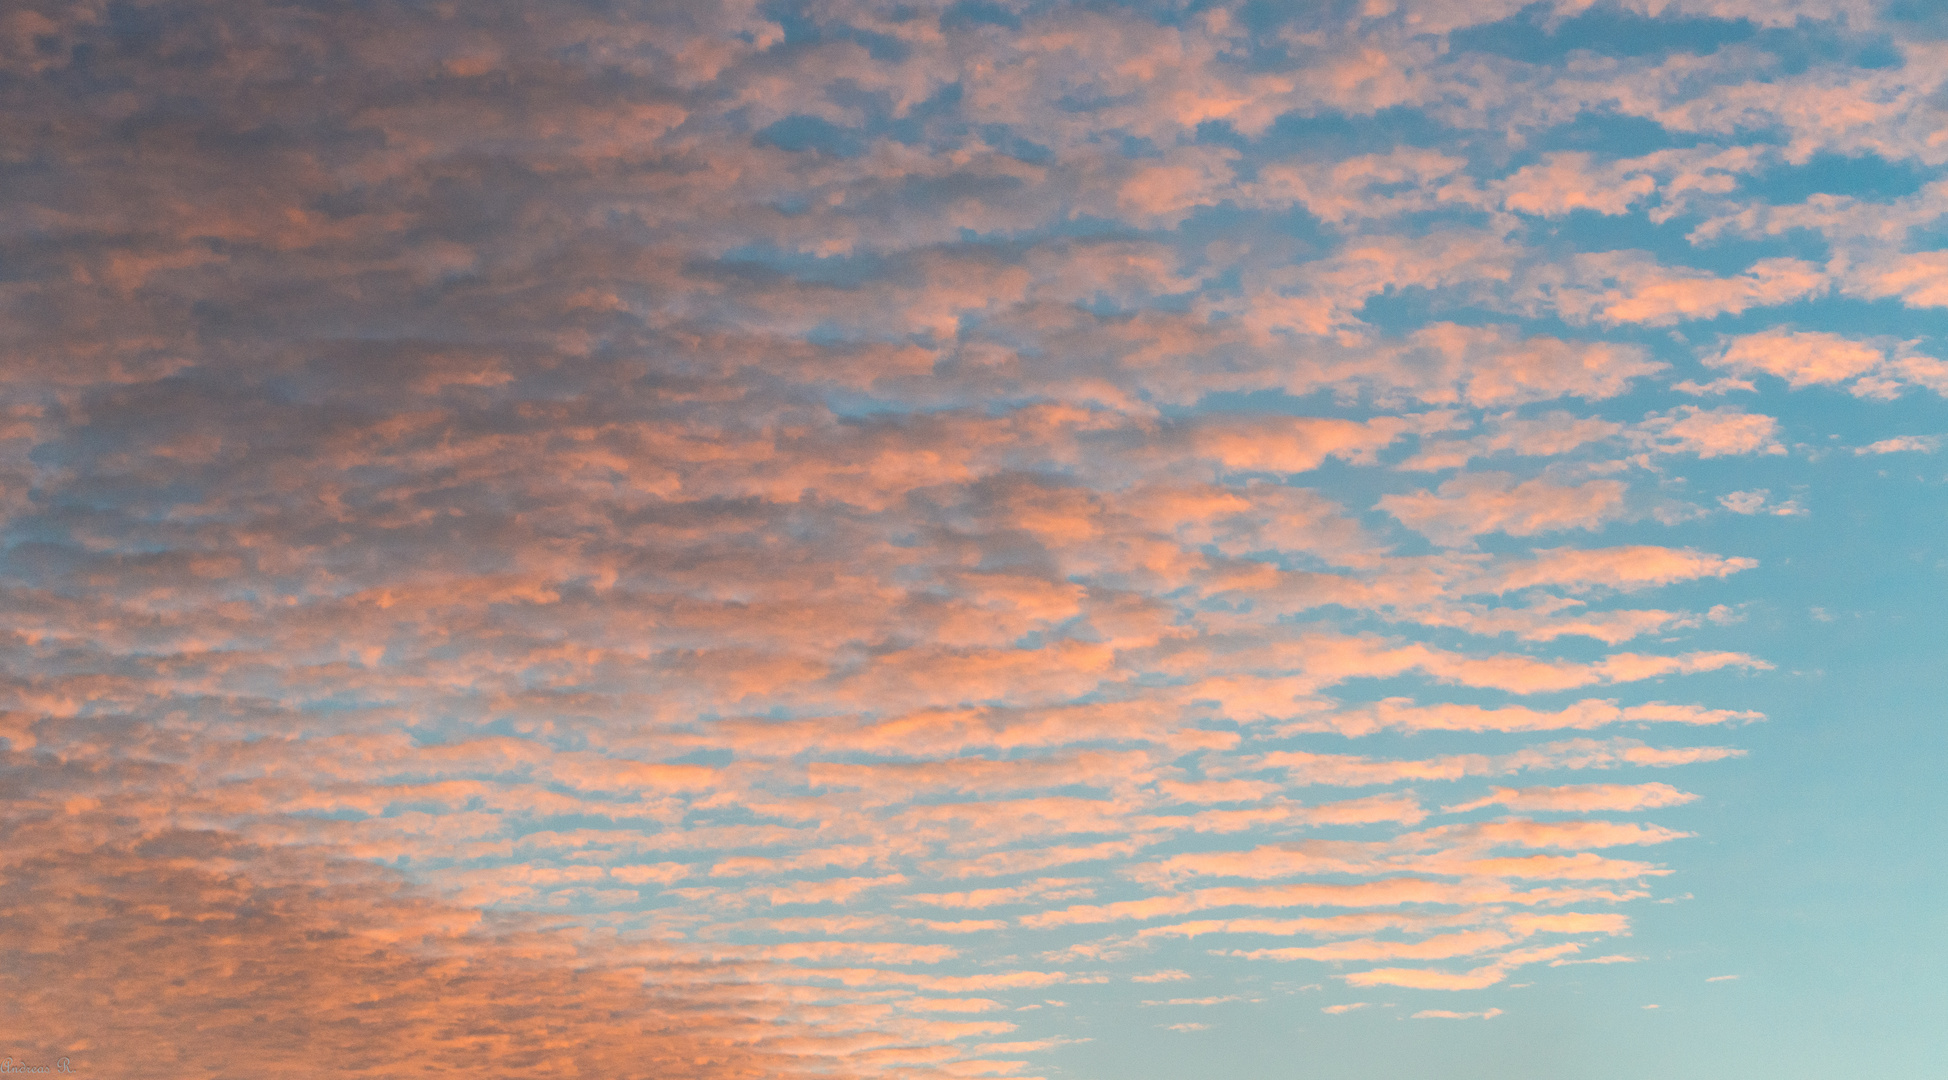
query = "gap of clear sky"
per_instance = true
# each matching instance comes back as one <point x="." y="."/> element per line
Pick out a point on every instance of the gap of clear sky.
<point x="996" y="539"/>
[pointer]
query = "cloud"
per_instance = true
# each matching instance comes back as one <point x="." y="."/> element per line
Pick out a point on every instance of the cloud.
<point x="1362" y="186"/>
<point x="1403" y="715"/>
<point x="1041" y="889"/>
<point x="1802" y="358"/>
<point x="1446" y="1014"/>
<point x="1475" y="979"/>
<point x="280" y="966"/>
<point x="628" y="529"/>
<point x="1290" y="445"/>
<point x="1564" y="182"/>
<point x="1569" y="923"/>
<point x="1579" y="798"/>
<point x="1902" y="444"/>
<point x="1749" y="503"/>
<point x="1328" y="926"/>
<point x="1552" y="434"/>
<point x="1028" y="1047"/>
<point x="1476" y="503"/>
<point x="1715" y="386"/>
<point x="1878" y="371"/>
<point x="1498" y="367"/>
<point x="1919" y="280"/>
<point x="1350" y="771"/>
<point x="1709" y="433"/>
<point x="1621" y="568"/>
<point x="1386" y="892"/>
<point x="1409" y="852"/>
<point x="1438" y="947"/>
<point x="1625" y="287"/>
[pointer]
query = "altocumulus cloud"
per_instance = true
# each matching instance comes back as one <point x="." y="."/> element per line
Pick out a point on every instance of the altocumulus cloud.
<point x="727" y="540"/>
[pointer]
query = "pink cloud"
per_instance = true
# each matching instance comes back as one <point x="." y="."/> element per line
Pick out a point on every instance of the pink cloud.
<point x="1439" y="947"/>
<point x="1499" y="368"/>
<point x="1475" y="503"/>
<point x="631" y="481"/>
<point x="1709" y="433"/>
<point x="1920" y="280"/>
<point x="1802" y="358"/>
<point x="1351" y="771"/>
<point x="1917" y="444"/>
<point x="1564" y="182"/>
<point x="1579" y="798"/>
<point x="1301" y="443"/>
<point x="231" y="957"/>
<point x="1402" y="714"/>
<point x="1549" y="435"/>
<point x="1627" y="287"/>
<point x="1043" y="889"/>
<point x="1574" y="922"/>
<point x="1366" y="186"/>
<point x="1476" y="979"/>
<point x="1623" y="568"/>
<point x="1328" y="926"/>
<point x="1165" y="193"/>
<point x="1387" y="892"/>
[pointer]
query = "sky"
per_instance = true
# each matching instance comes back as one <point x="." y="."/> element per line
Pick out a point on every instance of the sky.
<point x="1101" y="541"/>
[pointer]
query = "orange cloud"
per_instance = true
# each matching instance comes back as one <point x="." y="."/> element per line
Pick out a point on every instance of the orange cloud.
<point x="1476" y="979"/>
<point x="1476" y="503"/>
<point x="1627" y="287"/>
<point x="1564" y="182"/>
<point x="631" y="480"/>
<point x="1709" y="433"/>
<point x="1439" y="947"/>
<point x="1403" y="715"/>
<point x="1346" y="770"/>
<point x="1387" y="892"/>
<point x="1801" y="358"/>
<point x="1579" y="798"/>
<point x="248" y="970"/>
<point x="1624" y="568"/>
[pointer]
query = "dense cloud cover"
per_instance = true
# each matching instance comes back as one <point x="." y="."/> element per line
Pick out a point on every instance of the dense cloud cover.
<point x="673" y="539"/>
